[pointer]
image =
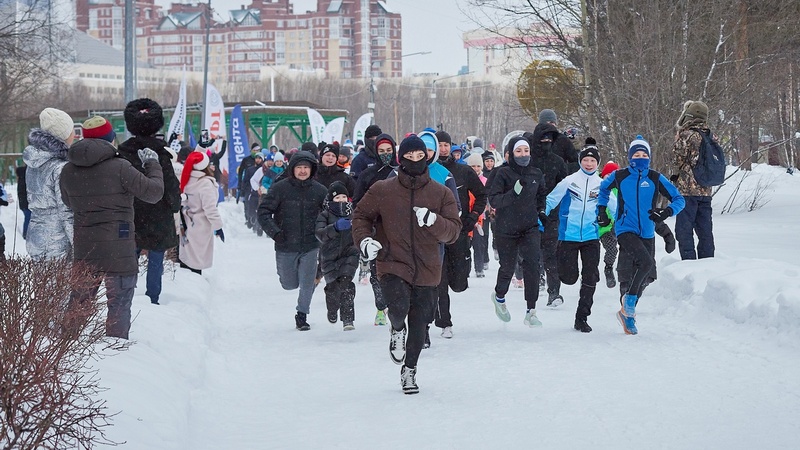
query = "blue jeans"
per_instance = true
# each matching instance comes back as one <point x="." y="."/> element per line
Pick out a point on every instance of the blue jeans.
<point x="155" y="269"/>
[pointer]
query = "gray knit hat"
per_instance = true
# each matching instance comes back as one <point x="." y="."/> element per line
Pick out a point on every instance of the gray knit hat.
<point x="547" y="115"/>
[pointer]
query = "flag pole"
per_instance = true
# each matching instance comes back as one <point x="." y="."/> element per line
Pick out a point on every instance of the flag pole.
<point x="205" y="67"/>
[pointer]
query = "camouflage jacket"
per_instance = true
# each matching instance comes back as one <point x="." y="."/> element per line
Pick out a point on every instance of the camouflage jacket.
<point x="686" y="151"/>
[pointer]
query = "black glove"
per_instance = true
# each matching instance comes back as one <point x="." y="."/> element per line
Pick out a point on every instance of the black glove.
<point x="543" y="218"/>
<point x="220" y="235"/>
<point x="468" y="222"/>
<point x="660" y="214"/>
<point x="602" y="217"/>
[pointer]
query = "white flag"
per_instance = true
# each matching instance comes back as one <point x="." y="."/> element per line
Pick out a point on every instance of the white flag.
<point x="361" y="126"/>
<point x="317" y="125"/>
<point x="177" y="124"/>
<point x="334" y="130"/>
<point x="215" y="122"/>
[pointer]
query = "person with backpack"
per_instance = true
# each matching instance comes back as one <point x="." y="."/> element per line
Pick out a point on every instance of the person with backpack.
<point x="694" y="173"/>
<point x="635" y="218"/>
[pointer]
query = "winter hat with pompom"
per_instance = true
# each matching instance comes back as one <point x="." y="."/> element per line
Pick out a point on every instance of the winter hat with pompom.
<point x="638" y="144"/>
<point x="590" y="149"/>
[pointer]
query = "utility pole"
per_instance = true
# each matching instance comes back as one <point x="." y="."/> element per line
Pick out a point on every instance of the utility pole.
<point x="130" y="60"/>
<point x="205" y="66"/>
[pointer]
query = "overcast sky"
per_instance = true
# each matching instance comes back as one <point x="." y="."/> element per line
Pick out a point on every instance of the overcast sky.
<point x="428" y="25"/>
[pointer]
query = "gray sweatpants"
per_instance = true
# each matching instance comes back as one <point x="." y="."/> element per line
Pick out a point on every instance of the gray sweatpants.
<point x="298" y="270"/>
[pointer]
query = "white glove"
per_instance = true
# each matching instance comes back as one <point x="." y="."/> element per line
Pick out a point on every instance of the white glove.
<point x="146" y="154"/>
<point x="425" y="217"/>
<point x="370" y="248"/>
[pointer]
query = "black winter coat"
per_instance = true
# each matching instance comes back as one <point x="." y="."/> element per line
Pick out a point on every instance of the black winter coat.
<point x="289" y="211"/>
<point x="155" y="223"/>
<point x="22" y="189"/>
<point x="517" y="215"/>
<point x="338" y="255"/>
<point x="552" y="166"/>
<point x="563" y="147"/>
<point x="375" y="172"/>
<point x="100" y="189"/>
<point x="467" y="182"/>
<point x="327" y="175"/>
<point x="246" y="163"/>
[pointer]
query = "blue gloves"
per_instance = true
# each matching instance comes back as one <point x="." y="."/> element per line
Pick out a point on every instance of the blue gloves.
<point x="342" y="224"/>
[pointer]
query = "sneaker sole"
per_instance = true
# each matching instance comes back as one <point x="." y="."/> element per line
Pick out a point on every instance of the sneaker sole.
<point x="621" y="318"/>
<point x="411" y="391"/>
<point x="349" y="328"/>
<point x="532" y="325"/>
<point x="556" y="303"/>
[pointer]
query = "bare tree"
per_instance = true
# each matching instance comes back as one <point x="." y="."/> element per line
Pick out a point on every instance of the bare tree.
<point x="49" y="395"/>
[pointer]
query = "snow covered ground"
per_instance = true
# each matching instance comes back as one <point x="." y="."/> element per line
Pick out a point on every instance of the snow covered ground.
<point x="716" y="364"/>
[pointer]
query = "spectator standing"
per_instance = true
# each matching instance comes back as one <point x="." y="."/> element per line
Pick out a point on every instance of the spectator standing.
<point x="105" y="224"/>
<point x="50" y="230"/>
<point x="155" y="222"/>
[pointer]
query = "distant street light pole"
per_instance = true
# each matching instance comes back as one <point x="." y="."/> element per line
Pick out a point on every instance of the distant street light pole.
<point x="371" y="104"/>
<point x="205" y="66"/>
<point x="433" y="94"/>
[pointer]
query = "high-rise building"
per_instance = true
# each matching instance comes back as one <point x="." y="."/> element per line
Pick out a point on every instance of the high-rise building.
<point x="343" y="38"/>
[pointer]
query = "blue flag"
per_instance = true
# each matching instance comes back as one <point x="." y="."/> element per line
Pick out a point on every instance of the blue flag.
<point x="192" y="141"/>
<point x="238" y="145"/>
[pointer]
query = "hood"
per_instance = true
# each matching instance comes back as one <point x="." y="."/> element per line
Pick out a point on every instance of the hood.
<point x="430" y="133"/>
<point x="88" y="152"/>
<point x="302" y="155"/>
<point x="43" y="147"/>
<point x="538" y="132"/>
<point x="381" y="137"/>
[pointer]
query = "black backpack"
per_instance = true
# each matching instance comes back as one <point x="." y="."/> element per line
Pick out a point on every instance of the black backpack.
<point x="710" y="168"/>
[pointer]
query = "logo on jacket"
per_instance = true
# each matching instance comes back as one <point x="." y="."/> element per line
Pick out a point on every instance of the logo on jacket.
<point x="644" y="184"/>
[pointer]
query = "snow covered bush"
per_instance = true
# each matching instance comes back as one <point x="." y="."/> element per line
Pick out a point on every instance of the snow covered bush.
<point x="48" y="390"/>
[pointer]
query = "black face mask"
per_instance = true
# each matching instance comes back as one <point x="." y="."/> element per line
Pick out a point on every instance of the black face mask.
<point x="413" y="168"/>
<point x="340" y="209"/>
<point x="546" y="147"/>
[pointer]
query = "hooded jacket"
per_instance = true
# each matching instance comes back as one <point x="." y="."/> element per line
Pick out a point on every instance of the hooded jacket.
<point x="155" y="222"/>
<point x="467" y="182"/>
<point x="686" y="152"/>
<point x="367" y="157"/>
<point x="516" y="214"/>
<point x="327" y="175"/>
<point x="50" y="230"/>
<point x="100" y="188"/>
<point x="338" y="256"/>
<point x="289" y="211"/>
<point x="563" y="148"/>
<point x="409" y="251"/>
<point x="375" y="172"/>
<point x="552" y="166"/>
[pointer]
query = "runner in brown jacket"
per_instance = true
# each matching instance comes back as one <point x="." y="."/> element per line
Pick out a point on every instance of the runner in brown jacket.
<point x="412" y="217"/>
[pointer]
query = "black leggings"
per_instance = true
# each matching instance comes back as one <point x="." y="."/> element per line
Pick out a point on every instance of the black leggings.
<point x="509" y="249"/>
<point x="637" y="263"/>
<point x="414" y="302"/>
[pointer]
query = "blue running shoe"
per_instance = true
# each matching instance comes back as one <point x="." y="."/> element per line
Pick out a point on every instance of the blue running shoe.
<point x="629" y="305"/>
<point x="628" y="323"/>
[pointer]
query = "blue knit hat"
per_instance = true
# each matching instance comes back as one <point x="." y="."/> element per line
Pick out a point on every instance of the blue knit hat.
<point x="638" y="144"/>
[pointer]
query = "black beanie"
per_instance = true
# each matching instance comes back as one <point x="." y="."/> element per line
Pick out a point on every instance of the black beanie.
<point x="444" y="136"/>
<point x="143" y="117"/>
<point x="372" y="131"/>
<point x="333" y="148"/>
<point x="411" y="143"/>
<point x="336" y="188"/>
<point x="590" y="149"/>
<point x="309" y="147"/>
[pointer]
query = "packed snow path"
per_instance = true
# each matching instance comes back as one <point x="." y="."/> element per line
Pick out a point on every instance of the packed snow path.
<point x="220" y="365"/>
